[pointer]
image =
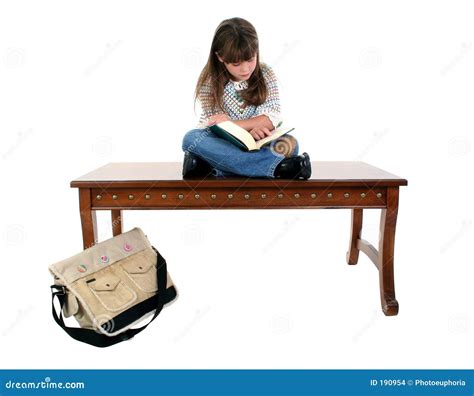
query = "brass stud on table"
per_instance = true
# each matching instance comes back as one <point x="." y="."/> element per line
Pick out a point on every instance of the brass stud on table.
<point x="313" y="195"/>
<point x="346" y="195"/>
<point x="379" y="195"/>
<point x="296" y="195"/>
<point x="247" y="196"/>
<point x="213" y="196"/>
<point x="163" y="196"/>
<point x="362" y="194"/>
<point x="115" y="196"/>
<point x="99" y="197"/>
<point x="147" y="196"/>
<point x="263" y="196"/>
<point x="329" y="195"/>
<point x="131" y="196"/>
<point x="230" y="196"/>
<point x="280" y="195"/>
<point x="180" y="196"/>
<point x="196" y="196"/>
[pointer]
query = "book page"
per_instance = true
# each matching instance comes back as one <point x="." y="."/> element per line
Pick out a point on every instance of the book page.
<point x="275" y="135"/>
<point x="240" y="133"/>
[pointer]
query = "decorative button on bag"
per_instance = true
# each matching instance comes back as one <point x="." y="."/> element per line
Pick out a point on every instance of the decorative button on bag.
<point x="111" y="287"/>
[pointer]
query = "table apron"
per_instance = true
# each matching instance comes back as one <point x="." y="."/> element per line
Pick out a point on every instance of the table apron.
<point x="237" y="198"/>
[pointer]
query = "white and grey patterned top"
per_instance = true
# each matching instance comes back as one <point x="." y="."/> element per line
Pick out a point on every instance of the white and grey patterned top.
<point x="234" y="104"/>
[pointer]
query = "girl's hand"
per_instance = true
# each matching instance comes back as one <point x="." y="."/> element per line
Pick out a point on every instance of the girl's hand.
<point x="260" y="133"/>
<point x="215" y="119"/>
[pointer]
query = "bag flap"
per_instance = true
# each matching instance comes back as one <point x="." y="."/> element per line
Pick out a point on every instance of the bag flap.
<point x="106" y="283"/>
<point x="100" y="255"/>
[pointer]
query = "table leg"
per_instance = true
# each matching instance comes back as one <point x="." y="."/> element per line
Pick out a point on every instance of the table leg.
<point x="352" y="255"/>
<point x="88" y="218"/>
<point x="117" y="222"/>
<point x="388" y="221"/>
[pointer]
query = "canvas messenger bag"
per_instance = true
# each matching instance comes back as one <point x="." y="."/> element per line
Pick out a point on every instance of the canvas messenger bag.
<point x="110" y="287"/>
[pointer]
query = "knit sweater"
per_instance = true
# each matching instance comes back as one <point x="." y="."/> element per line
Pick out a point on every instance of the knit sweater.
<point x="234" y="105"/>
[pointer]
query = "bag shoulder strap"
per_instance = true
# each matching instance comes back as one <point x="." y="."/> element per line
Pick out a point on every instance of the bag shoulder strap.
<point x="97" y="339"/>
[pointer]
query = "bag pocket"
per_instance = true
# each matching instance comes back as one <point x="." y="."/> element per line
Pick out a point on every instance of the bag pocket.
<point x="71" y="305"/>
<point x="111" y="292"/>
<point x="142" y="272"/>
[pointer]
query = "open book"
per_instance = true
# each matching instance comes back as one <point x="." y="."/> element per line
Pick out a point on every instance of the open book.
<point x="241" y="138"/>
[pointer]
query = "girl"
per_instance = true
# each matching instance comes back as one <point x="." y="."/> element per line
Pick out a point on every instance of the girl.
<point x="235" y="86"/>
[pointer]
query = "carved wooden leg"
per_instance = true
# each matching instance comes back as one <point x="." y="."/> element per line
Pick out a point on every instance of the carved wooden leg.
<point x="352" y="255"/>
<point x="116" y="222"/>
<point x="388" y="221"/>
<point x="88" y="218"/>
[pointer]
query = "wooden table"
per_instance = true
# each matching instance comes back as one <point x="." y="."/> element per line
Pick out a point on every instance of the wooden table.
<point x="159" y="185"/>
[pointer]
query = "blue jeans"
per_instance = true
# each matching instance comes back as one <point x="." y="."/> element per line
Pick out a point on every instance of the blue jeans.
<point x="229" y="160"/>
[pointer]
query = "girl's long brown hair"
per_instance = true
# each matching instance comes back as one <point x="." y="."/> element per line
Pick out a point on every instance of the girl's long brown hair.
<point x="235" y="40"/>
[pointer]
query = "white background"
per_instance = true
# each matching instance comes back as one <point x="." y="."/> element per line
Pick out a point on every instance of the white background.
<point x="389" y="83"/>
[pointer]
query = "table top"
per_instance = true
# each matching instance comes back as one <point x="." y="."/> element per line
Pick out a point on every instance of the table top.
<point x="168" y="174"/>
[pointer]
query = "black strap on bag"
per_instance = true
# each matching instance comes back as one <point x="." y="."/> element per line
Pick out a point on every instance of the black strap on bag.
<point x="93" y="337"/>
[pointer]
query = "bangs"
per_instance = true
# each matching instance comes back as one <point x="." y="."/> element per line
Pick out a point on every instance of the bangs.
<point x="242" y="50"/>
